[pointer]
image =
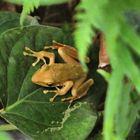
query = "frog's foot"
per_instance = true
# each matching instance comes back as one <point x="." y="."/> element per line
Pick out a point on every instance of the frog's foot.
<point x="70" y="99"/>
<point x="48" y="47"/>
<point x="79" y="90"/>
<point x="59" y="92"/>
<point x="29" y="51"/>
<point x="37" y="61"/>
<point x="48" y="91"/>
<point x="45" y="91"/>
<point x="73" y="98"/>
<point x="52" y="99"/>
<point x="54" y="91"/>
<point x="40" y="55"/>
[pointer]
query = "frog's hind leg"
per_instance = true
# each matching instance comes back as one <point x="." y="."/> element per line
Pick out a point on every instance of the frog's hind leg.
<point x="40" y="55"/>
<point x="70" y="55"/>
<point x="80" y="89"/>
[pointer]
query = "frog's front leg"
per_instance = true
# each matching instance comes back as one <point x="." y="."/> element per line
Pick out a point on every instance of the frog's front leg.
<point x="59" y="92"/>
<point x="41" y="55"/>
<point x="80" y="89"/>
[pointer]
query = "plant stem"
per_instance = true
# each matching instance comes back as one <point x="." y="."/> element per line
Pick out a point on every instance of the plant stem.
<point x="7" y="127"/>
<point x="1" y="110"/>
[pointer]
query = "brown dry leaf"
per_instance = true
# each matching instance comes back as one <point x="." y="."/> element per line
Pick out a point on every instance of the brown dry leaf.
<point x="103" y="57"/>
<point x="7" y="6"/>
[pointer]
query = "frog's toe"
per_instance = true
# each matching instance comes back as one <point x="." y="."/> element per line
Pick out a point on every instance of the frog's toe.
<point x="71" y="99"/>
<point x="63" y="99"/>
<point x="68" y="99"/>
<point x="37" y="61"/>
<point x="25" y="53"/>
<point x="45" y="91"/>
<point x="28" y="49"/>
<point x="33" y="64"/>
<point x="48" y="47"/>
<point x="51" y="99"/>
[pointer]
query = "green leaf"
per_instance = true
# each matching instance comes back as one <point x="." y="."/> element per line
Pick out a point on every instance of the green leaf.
<point x="108" y="17"/>
<point x="105" y="74"/>
<point x="28" y="6"/>
<point x="84" y="32"/>
<point x="126" y="107"/>
<point x="134" y="107"/>
<point x="5" y="136"/>
<point x="132" y="70"/>
<point x="123" y="109"/>
<point x="112" y="99"/>
<point x="131" y="37"/>
<point x="9" y="20"/>
<point x="27" y="107"/>
<point x="7" y="127"/>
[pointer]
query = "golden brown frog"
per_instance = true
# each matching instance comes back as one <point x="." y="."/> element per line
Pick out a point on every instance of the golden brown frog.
<point x="68" y="75"/>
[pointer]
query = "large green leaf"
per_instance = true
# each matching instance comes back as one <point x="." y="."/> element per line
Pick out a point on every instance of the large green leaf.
<point x="27" y="107"/>
<point x="10" y="20"/>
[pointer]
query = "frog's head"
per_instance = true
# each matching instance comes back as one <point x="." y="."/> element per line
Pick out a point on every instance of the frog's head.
<point x="43" y="76"/>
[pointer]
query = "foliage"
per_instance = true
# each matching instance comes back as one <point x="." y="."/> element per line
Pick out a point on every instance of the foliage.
<point x="22" y="99"/>
<point x="41" y="2"/>
<point x="109" y="18"/>
<point x="30" y="5"/>
<point x="121" y="39"/>
<point x="5" y="136"/>
<point x="9" y="21"/>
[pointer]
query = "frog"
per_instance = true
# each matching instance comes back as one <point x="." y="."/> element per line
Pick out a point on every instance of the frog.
<point x="62" y="76"/>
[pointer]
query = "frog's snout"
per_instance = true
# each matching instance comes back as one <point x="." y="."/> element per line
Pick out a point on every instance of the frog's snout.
<point x="34" y="79"/>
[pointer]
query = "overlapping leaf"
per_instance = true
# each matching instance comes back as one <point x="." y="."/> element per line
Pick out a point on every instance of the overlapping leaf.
<point x="108" y="17"/>
<point x="10" y="20"/>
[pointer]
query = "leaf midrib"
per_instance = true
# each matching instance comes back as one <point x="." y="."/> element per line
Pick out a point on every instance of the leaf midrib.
<point x="20" y="101"/>
<point x="17" y="114"/>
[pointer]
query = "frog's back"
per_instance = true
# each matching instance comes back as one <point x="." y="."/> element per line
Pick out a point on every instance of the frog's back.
<point x="64" y="71"/>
